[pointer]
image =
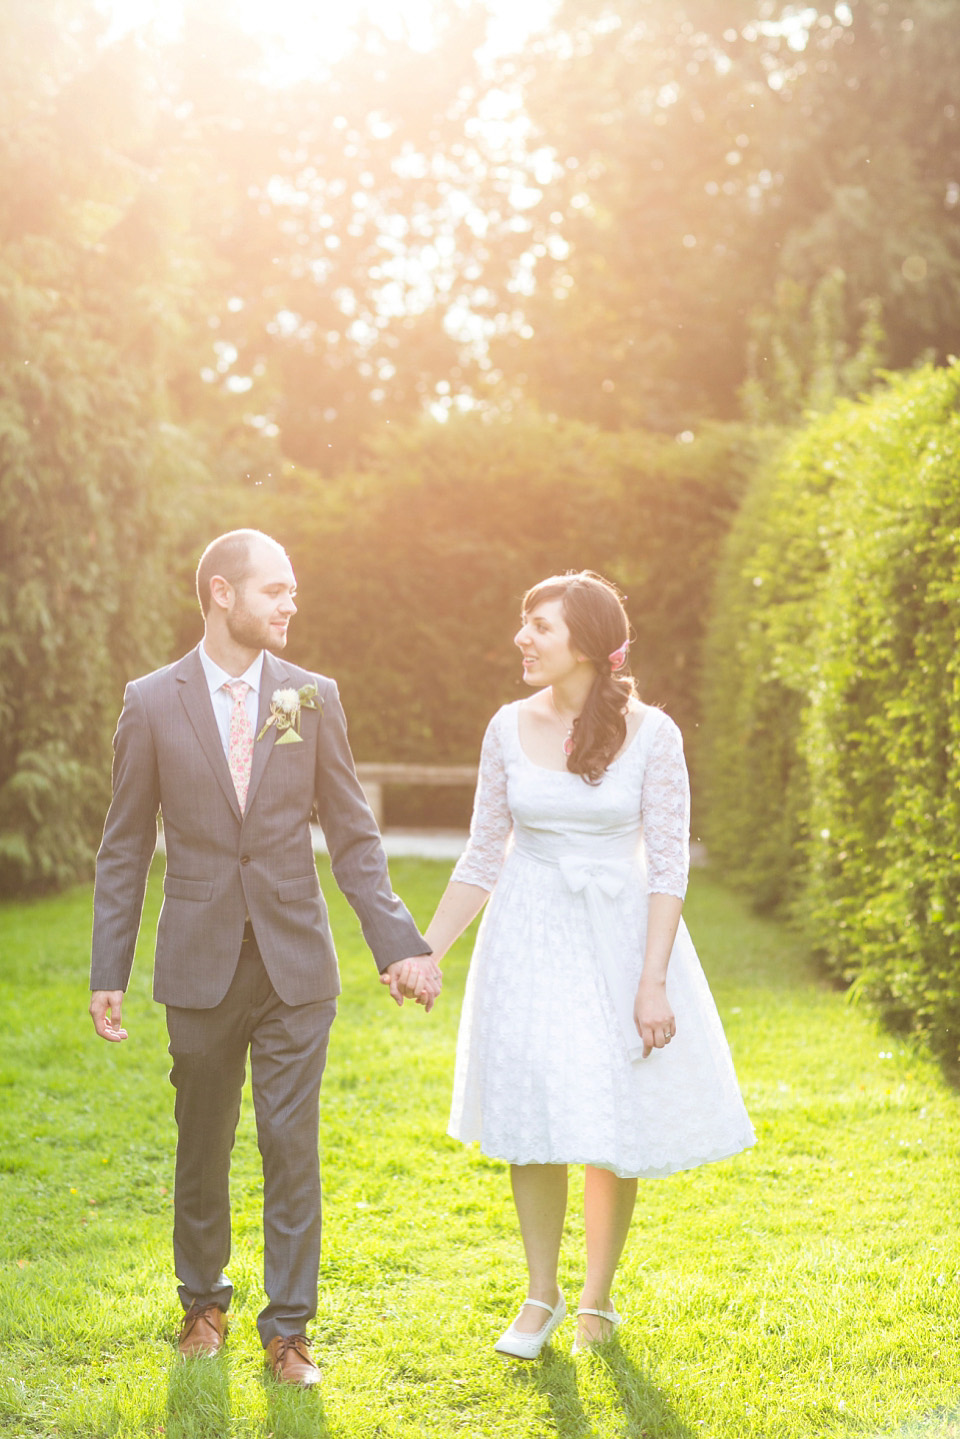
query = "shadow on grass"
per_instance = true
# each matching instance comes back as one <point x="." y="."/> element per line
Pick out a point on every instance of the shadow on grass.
<point x="198" y="1404"/>
<point x="941" y="1424"/>
<point x="644" y="1407"/>
<point x="294" y="1413"/>
<point x="198" y="1398"/>
<point x="646" y="1413"/>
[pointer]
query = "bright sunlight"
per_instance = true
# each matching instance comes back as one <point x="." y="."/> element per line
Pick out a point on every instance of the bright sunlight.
<point x="302" y="33"/>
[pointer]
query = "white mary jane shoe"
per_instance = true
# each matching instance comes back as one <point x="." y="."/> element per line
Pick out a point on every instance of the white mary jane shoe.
<point x="527" y="1346"/>
<point x="580" y="1346"/>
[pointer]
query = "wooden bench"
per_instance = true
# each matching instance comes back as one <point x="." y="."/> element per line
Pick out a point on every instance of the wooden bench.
<point x="375" y="777"/>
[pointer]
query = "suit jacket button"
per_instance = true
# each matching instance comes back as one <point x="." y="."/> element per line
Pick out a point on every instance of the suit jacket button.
<point x="245" y="859"/>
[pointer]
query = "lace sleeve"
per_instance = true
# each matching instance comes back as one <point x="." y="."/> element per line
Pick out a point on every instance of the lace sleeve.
<point x="665" y="808"/>
<point x="491" y="824"/>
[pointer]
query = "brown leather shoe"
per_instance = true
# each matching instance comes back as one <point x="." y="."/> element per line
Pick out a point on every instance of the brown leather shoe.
<point x="290" y="1362"/>
<point x="202" y="1331"/>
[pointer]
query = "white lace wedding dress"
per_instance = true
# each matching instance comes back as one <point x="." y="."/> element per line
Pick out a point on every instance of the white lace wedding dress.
<point x="548" y="1059"/>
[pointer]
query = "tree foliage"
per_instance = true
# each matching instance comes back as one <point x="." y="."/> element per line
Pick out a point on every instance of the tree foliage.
<point x="90" y="467"/>
<point x="699" y="174"/>
<point x="328" y="212"/>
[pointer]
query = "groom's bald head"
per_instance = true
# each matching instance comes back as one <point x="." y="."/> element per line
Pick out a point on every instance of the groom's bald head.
<point x="232" y="557"/>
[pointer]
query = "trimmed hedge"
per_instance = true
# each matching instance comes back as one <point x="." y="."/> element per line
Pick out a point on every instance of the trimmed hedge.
<point x="411" y="573"/>
<point x="833" y="745"/>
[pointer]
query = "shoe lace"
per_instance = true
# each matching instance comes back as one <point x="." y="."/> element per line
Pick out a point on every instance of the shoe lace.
<point x="295" y="1342"/>
<point x="193" y="1317"/>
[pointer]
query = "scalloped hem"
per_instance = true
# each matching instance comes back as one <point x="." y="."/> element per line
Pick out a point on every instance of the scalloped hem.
<point x="673" y="1166"/>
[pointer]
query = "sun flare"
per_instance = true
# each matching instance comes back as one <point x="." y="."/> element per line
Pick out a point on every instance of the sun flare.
<point x="298" y="33"/>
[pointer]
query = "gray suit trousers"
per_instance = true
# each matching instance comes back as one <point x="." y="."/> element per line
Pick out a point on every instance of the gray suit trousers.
<point x="288" y="1051"/>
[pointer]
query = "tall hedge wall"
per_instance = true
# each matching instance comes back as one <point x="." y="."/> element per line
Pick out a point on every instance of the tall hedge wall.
<point x="833" y="740"/>
<point x="411" y="573"/>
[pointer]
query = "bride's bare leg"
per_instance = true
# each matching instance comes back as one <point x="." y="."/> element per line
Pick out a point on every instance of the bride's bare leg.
<point x="607" y="1210"/>
<point x="540" y="1194"/>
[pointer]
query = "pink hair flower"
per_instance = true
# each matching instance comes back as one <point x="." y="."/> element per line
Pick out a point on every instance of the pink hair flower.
<point x="619" y="657"/>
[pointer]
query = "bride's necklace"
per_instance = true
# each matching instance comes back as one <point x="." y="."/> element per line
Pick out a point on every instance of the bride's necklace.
<point x="568" y="738"/>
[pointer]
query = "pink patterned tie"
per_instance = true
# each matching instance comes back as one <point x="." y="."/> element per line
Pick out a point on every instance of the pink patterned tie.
<point x="240" y="747"/>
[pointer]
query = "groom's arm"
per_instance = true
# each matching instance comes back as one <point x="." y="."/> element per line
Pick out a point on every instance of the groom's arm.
<point x="123" y="863"/>
<point x="358" y="860"/>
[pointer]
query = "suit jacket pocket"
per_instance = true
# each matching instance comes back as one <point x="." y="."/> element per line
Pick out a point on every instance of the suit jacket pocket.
<point x="306" y="886"/>
<point x="177" y="887"/>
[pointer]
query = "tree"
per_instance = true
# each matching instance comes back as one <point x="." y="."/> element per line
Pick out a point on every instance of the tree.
<point x="92" y="473"/>
<point x="866" y="187"/>
<point x="691" y="169"/>
<point x="801" y="357"/>
<point x="328" y="215"/>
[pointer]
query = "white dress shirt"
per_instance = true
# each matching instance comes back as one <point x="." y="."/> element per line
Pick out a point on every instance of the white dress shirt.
<point x="222" y="700"/>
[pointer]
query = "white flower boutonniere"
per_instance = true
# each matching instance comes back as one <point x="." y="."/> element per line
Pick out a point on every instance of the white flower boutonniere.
<point x="285" y="707"/>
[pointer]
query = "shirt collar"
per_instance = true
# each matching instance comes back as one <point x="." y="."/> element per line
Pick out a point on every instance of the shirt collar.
<point x="216" y="677"/>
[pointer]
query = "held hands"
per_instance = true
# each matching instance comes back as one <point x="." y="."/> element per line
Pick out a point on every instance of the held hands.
<point x="418" y="978"/>
<point x="105" y="1007"/>
<point x="653" y="1016"/>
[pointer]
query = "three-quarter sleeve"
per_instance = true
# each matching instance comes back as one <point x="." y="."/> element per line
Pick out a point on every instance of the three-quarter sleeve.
<point x="665" y="809"/>
<point x="491" y="824"/>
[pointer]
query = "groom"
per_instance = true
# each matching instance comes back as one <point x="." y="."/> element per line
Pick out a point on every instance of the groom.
<point x="237" y="749"/>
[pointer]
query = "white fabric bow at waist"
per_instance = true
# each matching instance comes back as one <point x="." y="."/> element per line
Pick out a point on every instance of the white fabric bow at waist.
<point x="600" y="881"/>
<point x="581" y="871"/>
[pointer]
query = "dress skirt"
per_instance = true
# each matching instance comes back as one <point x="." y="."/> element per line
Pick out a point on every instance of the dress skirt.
<point x="543" y="1075"/>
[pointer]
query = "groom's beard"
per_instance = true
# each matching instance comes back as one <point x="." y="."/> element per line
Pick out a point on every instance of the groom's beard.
<point x="253" y="633"/>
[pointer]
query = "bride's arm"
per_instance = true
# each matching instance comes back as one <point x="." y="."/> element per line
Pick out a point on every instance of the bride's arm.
<point x="652" y="1011"/>
<point x="459" y="904"/>
<point x="478" y="868"/>
<point x="665" y="805"/>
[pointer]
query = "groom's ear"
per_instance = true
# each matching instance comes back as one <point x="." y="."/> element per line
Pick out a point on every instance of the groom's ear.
<point x="221" y="592"/>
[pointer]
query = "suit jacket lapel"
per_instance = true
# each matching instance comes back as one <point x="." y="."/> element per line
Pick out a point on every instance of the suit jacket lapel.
<point x="195" y="694"/>
<point x="273" y="676"/>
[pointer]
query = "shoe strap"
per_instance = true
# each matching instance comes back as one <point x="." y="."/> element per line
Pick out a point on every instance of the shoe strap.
<point x="609" y="1314"/>
<point x="539" y="1304"/>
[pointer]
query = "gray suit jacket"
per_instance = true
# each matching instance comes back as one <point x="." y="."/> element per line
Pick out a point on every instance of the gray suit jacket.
<point x="221" y="865"/>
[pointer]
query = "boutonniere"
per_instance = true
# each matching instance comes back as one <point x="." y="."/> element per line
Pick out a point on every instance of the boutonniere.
<point x="285" y="707"/>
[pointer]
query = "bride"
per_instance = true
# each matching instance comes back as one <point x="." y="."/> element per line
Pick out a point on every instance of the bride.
<point x="589" y="1034"/>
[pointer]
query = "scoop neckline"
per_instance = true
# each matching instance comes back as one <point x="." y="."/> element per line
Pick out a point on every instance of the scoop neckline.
<point x="620" y="755"/>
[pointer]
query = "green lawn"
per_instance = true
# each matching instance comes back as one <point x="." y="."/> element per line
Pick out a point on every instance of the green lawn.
<point x="808" y="1288"/>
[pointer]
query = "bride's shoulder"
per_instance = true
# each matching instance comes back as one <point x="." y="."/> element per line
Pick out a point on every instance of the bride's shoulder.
<point x="526" y="705"/>
<point x="650" y="726"/>
<point x="662" y="731"/>
<point x="512" y="708"/>
<point x="637" y="714"/>
<point x="645" y="711"/>
<point x="503" y="717"/>
<point x="536" y="704"/>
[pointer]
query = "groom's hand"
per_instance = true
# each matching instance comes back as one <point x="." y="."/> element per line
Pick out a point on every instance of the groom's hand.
<point x="418" y="978"/>
<point x="105" y="1008"/>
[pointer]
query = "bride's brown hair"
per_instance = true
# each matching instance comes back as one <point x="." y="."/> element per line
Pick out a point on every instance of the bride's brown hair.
<point x="594" y="614"/>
